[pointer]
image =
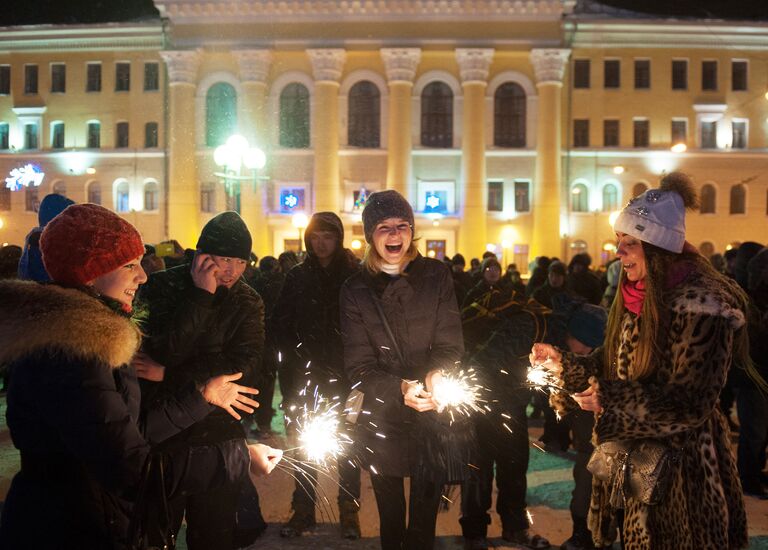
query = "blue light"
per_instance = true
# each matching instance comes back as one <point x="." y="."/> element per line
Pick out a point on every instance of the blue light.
<point x="290" y="201"/>
<point x="29" y="174"/>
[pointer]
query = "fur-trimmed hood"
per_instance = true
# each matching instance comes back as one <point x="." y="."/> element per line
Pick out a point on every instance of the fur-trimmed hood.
<point x="35" y="317"/>
<point x="702" y="294"/>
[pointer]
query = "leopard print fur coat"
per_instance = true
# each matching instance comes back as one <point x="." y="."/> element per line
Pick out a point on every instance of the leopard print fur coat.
<point x="704" y="508"/>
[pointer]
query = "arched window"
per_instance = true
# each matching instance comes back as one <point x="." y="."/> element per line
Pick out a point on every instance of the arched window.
<point x="123" y="197"/>
<point x="707" y="249"/>
<point x="610" y="197"/>
<point x="708" y="199"/>
<point x="738" y="199"/>
<point x="59" y="188"/>
<point x="5" y="198"/>
<point x="220" y="113"/>
<point x="31" y="202"/>
<point x="363" y="115"/>
<point x="151" y="196"/>
<point x="94" y="192"/>
<point x="509" y="116"/>
<point x="579" y="198"/>
<point x="638" y="189"/>
<point x="294" y="116"/>
<point x="437" y="115"/>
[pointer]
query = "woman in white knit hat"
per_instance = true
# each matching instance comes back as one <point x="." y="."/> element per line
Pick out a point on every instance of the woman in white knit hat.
<point x="674" y="330"/>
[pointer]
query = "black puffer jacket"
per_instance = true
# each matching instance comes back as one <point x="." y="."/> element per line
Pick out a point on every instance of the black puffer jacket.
<point x="307" y="316"/>
<point x="73" y="408"/>
<point x="197" y="335"/>
<point x="421" y="310"/>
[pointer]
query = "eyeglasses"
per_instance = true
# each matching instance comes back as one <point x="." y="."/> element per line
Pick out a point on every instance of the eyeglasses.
<point x="400" y="228"/>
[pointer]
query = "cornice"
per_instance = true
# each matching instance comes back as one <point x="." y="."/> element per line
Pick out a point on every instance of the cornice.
<point x="401" y="63"/>
<point x="101" y="36"/>
<point x="254" y="64"/>
<point x="327" y="64"/>
<point x="182" y="66"/>
<point x="200" y="11"/>
<point x="666" y="34"/>
<point x="474" y="64"/>
<point x="549" y="64"/>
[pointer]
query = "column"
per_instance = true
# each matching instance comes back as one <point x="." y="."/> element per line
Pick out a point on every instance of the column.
<point x="254" y="70"/>
<point x="400" y="64"/>
<point x="549" y="65"/>
<point x="182" y="190"/>
<point x="473" y="68"/>
<point x="327" y="65"/>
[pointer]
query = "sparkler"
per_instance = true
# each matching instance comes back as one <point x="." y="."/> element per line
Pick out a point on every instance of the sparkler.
<point x="541" y="378"/>
<point x="317" y="429"/>
<point x="458" y="392"/>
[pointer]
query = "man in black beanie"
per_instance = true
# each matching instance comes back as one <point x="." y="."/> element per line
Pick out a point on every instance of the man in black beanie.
<point x="201" y="321"/>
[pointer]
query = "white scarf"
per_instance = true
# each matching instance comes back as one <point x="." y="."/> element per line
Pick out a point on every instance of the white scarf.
<point x="391" y="269"/>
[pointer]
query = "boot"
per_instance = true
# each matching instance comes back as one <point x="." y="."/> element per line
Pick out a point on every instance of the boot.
<point x="301" y="520"/>
<point x="348" y="520"/>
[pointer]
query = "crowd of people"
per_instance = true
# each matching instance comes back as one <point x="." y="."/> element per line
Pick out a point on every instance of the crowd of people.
<point x="136" y="373"/>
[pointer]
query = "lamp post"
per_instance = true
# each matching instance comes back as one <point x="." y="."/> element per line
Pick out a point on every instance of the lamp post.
<point x="300" y="221"/>
<point x="233" y="156"/>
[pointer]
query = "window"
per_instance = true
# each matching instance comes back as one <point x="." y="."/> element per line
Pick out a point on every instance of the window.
<point x="30" y="79"/>
<point x="59" y="188"/>
<point x="122" y="197"/>
<point x="94" y="193"/>
<point x="291" y="199"/>
<point x="679" y="131"/>
<point x="4" y="136"/>
<point x="579" y="198"/>
<point x="94" y="135"/>
<point x="738" y="199"/>
<point x="57" y="135"/>
<point x="208" y="197"/>
<point x="509" y="116"/>
<point x="495" y="196"/>
<point x="30" y="136"/>
<point x="5" y="79"/>
<point x="437" y="115"/>
<point x="610" y="133"/>
<point x="522" y="196"/>
<point x="151" y="77"/>
<point x="709" y="134"/>
<point x="121" y="135"/>
<point x="363" y="115"/>
<point x="5" y="198"/>
<point x="709" y="76"/>
<point x="122" y="77"/>
<point x="436" y="201"/>
<point x="520" y="255"/>
<point x="294" y="116"/>
<point x="679" y="74"/>
<point x="739" y="138"/>
<point x="739" y="76"/>
<point x="642" y="74"/>
<point x="610" y="197"/>
<point x="220" y="114"/>
<point x="638" y="189"/>
<point x="31" y="202"/>
<point x="93" y="78"/>
<point x="708" y="199"/>
<point x="151" y="194"/>
<point x="150" y="135"/>
<point x="581" y="132"/>
<point x="611" y="73"/>
<point x="58" y="78"/>
<point x="640" y="132"/>
<point x="581" y="73"/>
<point x="436" y="249"/>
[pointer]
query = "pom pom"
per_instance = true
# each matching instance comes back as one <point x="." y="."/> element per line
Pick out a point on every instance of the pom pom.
<point x="682" y="184"/>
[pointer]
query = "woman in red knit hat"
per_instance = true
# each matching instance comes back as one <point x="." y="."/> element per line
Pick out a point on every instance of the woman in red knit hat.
<point x="73" y="398"/>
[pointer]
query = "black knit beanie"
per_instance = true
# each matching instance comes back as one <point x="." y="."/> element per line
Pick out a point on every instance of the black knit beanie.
<point x="382" y="205"/>
<point x="226" y="235"/>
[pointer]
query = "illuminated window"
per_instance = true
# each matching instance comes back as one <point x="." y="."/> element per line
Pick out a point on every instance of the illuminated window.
<point x="220" y="113"/>
<point x="291" y="199"/>
<point x="509" y="116"/>
<point x="436" y="249"/>
<point x="709" y="134"/>
<point x="151" y="196"/>
<point x="294" y="116"/>
<point x="739" y="134"/>
<point x="495" y="196"/>
<point x="610" y="197"/>
<point x="57" y="135"/>
<point x="679" y="131"/>
<point x="579" y="198"/>
<point x="708" y="199"/>
<point x="94" y="135"/>
<point x="522" y="196"/>
<point x="4" y="135"/>
<point x="363" y="114"/>
<point x="31" y="135"/>
<point x="122" y="197"/>
<point x="437" y="116"/>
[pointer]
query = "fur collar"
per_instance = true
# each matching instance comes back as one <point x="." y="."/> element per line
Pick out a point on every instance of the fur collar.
<point x="34" y="317"/>
<point x="703" y="295"/>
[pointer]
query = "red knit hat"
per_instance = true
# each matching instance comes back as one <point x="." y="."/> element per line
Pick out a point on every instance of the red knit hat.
<point x="86" y="241"/>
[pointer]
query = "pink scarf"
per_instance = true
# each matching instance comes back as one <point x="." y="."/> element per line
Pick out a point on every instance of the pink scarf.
<point x="634" y="292"/>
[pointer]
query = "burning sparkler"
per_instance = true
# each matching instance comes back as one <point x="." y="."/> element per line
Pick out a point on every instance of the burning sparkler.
<point x="541" y="378"/>
<point x="458" y="392"/>
<point x="317" y="429"/>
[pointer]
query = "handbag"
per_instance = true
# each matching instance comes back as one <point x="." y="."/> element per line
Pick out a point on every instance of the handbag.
<point x="150" y="523"/>
<point x="641" y="469"/>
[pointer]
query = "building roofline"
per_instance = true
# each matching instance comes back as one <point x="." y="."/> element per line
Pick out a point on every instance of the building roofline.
<point x="83" y="37"/>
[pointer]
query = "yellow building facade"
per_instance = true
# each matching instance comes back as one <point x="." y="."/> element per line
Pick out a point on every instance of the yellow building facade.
<point x="515" y="127"/>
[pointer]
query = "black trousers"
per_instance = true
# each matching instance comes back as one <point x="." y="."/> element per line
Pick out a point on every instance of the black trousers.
<point x="752" y="407"/>
<point x="211" y="517"/>
<point x="423" y="504"/>
<point x="581" y="424"/>
<point x="509" y="451"/>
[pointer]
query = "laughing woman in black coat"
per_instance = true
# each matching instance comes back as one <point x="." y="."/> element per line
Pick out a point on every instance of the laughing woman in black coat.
<point x="73" y="398"/>
<point x="400" y="325"/>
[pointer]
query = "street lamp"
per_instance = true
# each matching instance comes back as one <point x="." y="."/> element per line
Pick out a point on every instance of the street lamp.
<point x="300" y="221"/>
<point x="233" y="156"/>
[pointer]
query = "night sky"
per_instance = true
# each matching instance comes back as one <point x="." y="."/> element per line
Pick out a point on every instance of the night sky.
<point x="97" y="11"/>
